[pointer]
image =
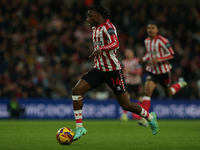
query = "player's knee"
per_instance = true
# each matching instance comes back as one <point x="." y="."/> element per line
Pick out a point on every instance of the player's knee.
<point x="76" y="91"/>
<point x="168" y="94"/>
<point x="147" y="93"/>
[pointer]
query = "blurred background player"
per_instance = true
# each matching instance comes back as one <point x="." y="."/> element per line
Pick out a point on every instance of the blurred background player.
<point x="132" y="71"/>
<point x="158" y="52"/>
<point x="107" y="68"/>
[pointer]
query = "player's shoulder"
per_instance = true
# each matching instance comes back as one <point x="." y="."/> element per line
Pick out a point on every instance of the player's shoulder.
<point x="109" y="27"/>
<point x="147" y="39"/>
<point x="162" y="38"/>
<point x="109" y="24"/>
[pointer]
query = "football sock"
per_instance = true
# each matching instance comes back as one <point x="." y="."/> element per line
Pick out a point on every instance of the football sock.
<point x="78" y="118"/>
<point x="175" y="87"/>
<point x="78" y="113"/>
<point x="146" y="103"/>
<point x="146" y="115"/>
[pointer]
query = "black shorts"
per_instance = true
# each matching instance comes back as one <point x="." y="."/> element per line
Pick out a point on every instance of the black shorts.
<point x="163" y="79"/>
<point x="114" y="79"/>
<point x="133" y="89"/>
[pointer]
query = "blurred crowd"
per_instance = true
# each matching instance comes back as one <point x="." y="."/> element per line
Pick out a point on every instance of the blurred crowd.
<point x="44" y="45"/>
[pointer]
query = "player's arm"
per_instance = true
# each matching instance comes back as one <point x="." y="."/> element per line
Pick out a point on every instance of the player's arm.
<point x="137" y="71"/>
<point x="145" y="57"/>
<point x="169" y="53"/>
<point x="114" y="43"/>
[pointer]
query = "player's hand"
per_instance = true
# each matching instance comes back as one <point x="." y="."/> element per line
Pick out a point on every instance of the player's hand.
<point x="154" y="61"/>
<point x="96" y="53"/>
<point x="140" y="60"/>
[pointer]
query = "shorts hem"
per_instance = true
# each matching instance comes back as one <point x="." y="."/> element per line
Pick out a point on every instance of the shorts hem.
<point x="117" y="94"/>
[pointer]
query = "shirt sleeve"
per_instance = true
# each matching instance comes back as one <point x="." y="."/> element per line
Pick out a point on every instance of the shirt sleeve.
<point x="168" y="51"/>
<point x="114" y="43"/>
<point x="145" y="57"/>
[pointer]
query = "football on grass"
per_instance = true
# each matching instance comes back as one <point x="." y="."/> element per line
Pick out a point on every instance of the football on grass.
<point x="65" y="136"/>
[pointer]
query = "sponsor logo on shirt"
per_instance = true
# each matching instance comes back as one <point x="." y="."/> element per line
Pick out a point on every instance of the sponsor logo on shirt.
<point x="98" y="43"/>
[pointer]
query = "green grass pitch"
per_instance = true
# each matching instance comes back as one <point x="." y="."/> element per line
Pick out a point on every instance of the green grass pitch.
<point x="102" y="135"/>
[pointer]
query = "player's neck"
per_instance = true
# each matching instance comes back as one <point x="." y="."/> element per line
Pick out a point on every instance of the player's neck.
<point x="153" y="37"/>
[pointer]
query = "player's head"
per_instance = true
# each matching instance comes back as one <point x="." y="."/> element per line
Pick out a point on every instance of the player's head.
<point x="129" y="54"/>
<point x="96" y="14"/>
<point x="152" y="29"/>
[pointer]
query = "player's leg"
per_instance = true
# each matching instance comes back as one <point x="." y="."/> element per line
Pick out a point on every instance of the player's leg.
<point x="170" y="91"/>
<point x="149" y="86"/>
<point x="125" y="103"/>
<point x="89" y="81"/>
<point x="137" y="90"/>
<point x="80" y="88"/>
<point x="145" y="101"/>
<point x="116" y="82"/>
<point x="124" y="116"/>
<point x="165" y="81"/>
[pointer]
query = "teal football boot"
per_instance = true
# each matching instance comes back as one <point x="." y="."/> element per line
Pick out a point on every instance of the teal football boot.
<point x="153" y="123"/>
<point x="182" y="82"/>
<point x="79" y="132"/>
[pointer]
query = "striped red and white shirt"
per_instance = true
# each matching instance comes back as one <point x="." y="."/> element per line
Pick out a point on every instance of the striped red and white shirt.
<point x="105" y="38"/>
<point x="159" y="48"/>
<point x="132" y="77"/>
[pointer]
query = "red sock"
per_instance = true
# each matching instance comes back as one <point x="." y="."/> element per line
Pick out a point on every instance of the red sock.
<point x="78" y="118"/>
<point x="146" y="115"/>
<point x="135" y="116"/>
<point x="175" y="88"/>
<point x="146" y="103"/>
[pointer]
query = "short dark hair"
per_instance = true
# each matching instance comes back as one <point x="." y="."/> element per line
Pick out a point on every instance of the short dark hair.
<point x="100" y="9"/>
<point x="153" y="22"/>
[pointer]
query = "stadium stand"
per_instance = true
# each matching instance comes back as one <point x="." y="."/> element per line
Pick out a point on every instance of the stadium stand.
<point x="44" y="45"/>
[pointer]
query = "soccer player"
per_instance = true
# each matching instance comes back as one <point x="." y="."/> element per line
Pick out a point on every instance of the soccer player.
<point x="107" y="69"/>
<point x="132" y="71"/>
<point x="158" y="52"/>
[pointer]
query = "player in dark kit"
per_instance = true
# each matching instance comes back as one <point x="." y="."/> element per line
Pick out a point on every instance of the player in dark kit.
<point x="107" y="69"/>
